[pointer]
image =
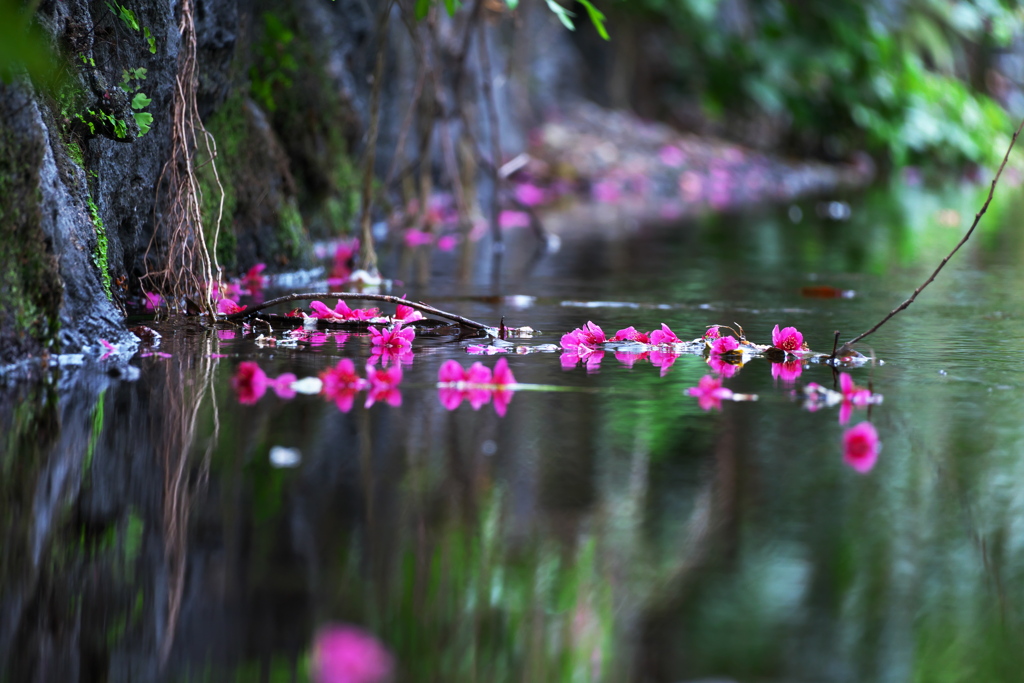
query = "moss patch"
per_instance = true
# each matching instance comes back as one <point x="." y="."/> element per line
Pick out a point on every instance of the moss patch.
<point x="261" y="220"/>
<point x="100" y="251"/>
<point x="29" y="283"/>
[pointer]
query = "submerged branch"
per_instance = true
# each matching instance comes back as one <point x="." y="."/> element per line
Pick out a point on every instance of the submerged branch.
<point x="967" y="236"/>
<point x="423" y="308"/>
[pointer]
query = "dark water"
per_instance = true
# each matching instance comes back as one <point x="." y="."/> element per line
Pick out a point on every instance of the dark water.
<point x="615" y="532"/>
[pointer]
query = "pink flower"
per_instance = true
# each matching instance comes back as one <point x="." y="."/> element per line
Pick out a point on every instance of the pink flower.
<point x="723" y="367"/>
<point x="473" y="384"/>
<point x="229" y="306"/>
<point x="861" y="447"/>
<point x="502" y="376"/>
<point x="415" y="238"/>
<point x="664" y="336"/>
<point x="384" y="385"/>
<point x="341" y="383"/>
<point x="789" y="339"/>
<point x="726" y="344"/>
<point x="343" y="255"/>
<point x="671" y="156"/>
<point x="448" y="242"/>
<point x="503" y="381"/>
<point x="356" y="313"/>
<point x="341" y="311"/>
<point x="529" y="194"/>
<point x="396" y="338"/>
<point x="606" y="191"/>
<point x="407" y="314"/>
<point x="387" y="355"/>
<point x="282" y="385"/>
<point x="591" y="335"/>
<point x="224" y="335"/>
<point x="153" y="301"/>
<point x="253" y="279"/>
<point x="852" y="393"/>
<point x="712" y="332"/>
<point x="514" y="219"/>
<point x="631" y="334"/>
<point x="628" y="359"/>
<point x="663" y="360"/>
<point x="788" y="372"/>
<point x="249" y="382"/>
<point x="852" y="396"/>
<point x="710" y="393"/>
<point x="346" y="654"/>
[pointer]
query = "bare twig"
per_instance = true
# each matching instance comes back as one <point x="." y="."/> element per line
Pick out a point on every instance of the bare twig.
<point x="387" y="298"/>
<point x="967" y="236"/>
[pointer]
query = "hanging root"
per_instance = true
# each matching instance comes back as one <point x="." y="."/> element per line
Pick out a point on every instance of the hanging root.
<point x="179" y="264"/>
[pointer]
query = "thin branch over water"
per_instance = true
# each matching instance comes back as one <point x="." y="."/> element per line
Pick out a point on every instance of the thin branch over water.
<point x="967" y="236"/>
<point x="423" y="308"/>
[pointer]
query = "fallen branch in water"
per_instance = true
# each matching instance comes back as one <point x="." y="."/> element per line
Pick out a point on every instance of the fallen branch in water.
<point x="423" y="308"/>
<point x="977" y="218"/>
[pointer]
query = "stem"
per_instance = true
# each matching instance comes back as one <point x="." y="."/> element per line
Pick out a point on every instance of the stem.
<point x="492" y="123"/>
<point x="967" y="236"/>
<point x="367" y="254"/>
<point x="424" y="308"/>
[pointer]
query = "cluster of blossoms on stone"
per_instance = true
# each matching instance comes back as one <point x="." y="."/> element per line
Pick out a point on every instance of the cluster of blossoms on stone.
<point x="476" y="384"/>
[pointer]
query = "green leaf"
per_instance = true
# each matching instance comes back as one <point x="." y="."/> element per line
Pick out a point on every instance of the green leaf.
<point x="140" y="101"/>
<point x="422" y="7"/>
<point x="452" y="6"/>
<point x="150" y="39"/>
<point x="512" y="4"/>
<point x="563" y="14"/>
<point x="145" y="121"/>
<point x="597" y="18"/>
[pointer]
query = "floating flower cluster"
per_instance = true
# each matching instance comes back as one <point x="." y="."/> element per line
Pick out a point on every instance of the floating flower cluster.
<point x="340" y="384"/>
<point x="476" y="384"/>
<point x="251" y="383"/>
<point x="725" y="353"/>
<point x="848" y="397"/>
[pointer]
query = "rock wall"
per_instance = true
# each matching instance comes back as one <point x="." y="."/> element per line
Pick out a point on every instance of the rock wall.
<point x="284" y="89"/>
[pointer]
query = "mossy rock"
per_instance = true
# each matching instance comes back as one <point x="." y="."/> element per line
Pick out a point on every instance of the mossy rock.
<point x="29" y="282"/>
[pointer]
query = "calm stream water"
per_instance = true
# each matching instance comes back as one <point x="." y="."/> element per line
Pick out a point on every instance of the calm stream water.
<point x="159" y="529"/>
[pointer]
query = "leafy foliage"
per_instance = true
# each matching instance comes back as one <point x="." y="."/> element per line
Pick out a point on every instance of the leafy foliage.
<point x="848" y="74"/>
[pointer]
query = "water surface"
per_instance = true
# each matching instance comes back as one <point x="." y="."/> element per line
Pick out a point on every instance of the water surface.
<point x="154" y="529"/>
